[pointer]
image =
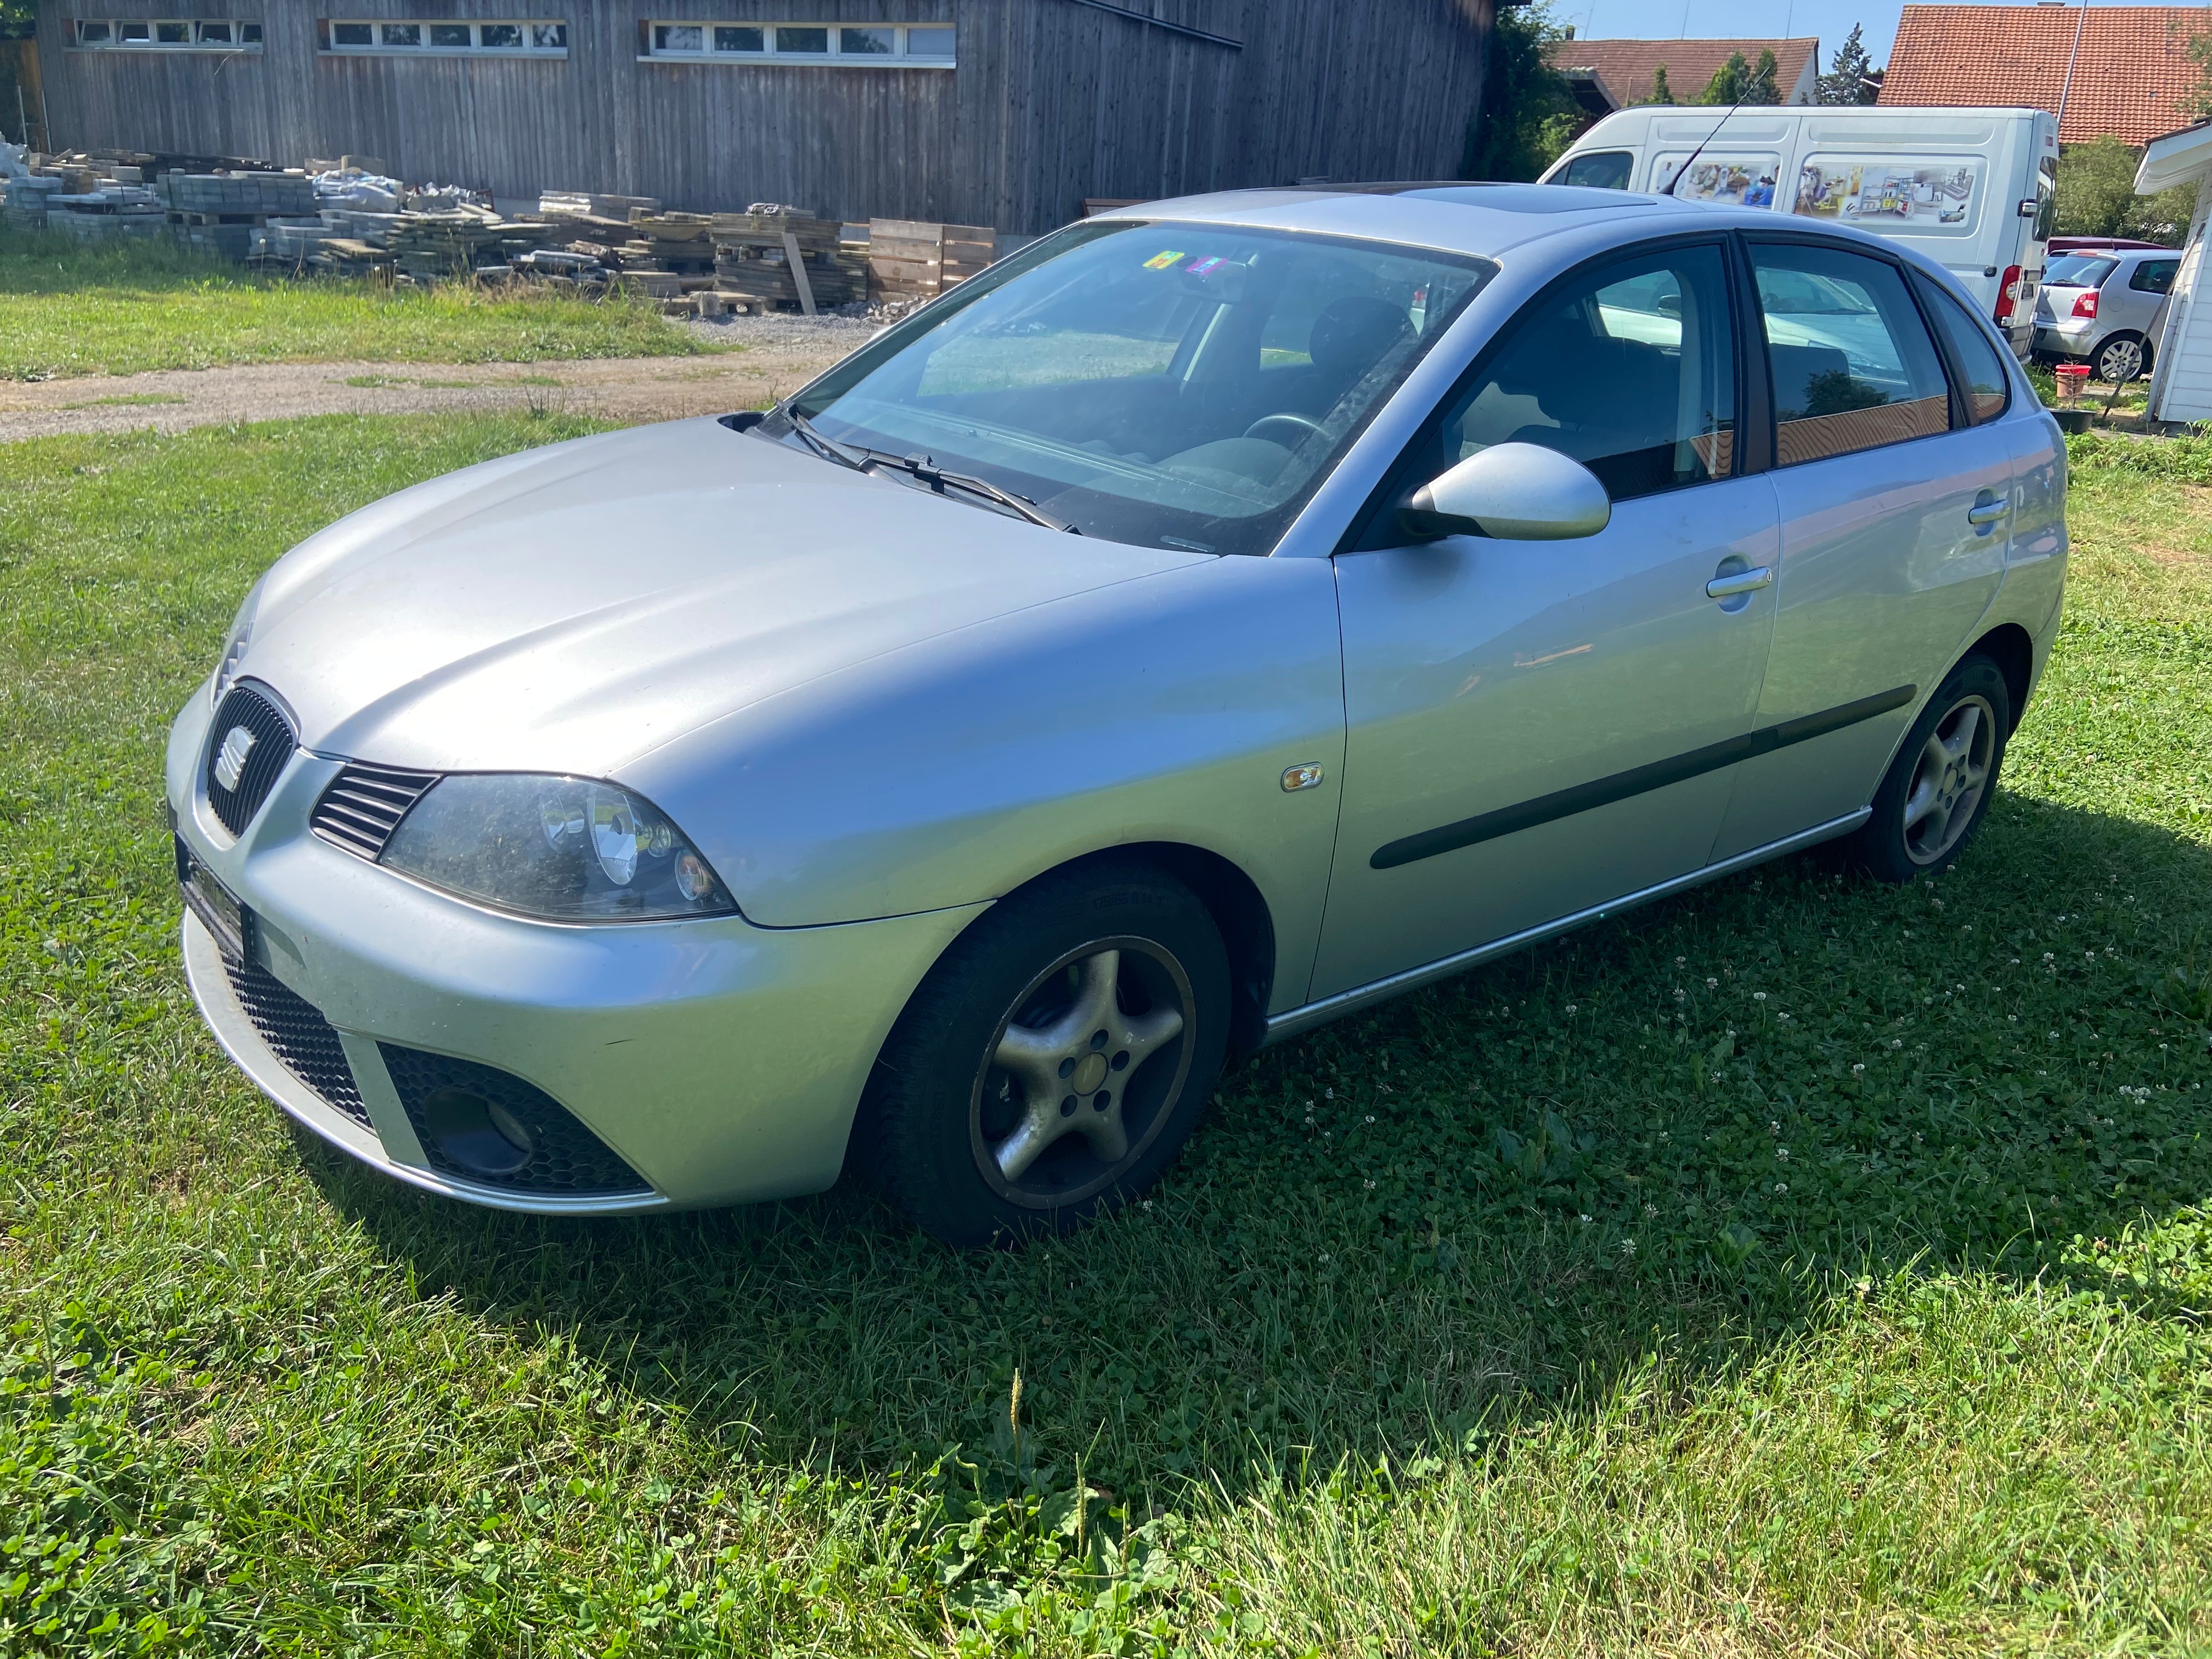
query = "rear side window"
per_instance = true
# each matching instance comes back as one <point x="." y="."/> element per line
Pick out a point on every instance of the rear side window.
<point x="2154" y="275"/>
<point x="1853" y="366"/>
<point x="1601" y="169"/>
<point x="1631" y="369"/>
<point x="1986" y="386"/>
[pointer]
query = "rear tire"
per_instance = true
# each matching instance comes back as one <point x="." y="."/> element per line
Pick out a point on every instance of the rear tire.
<point x="1938" y="789"/>
<point x="2119" y="358"/>
<point x="1054" y="1062"/>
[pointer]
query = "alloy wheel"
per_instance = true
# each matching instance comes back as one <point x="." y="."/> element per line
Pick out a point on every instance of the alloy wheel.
<point x="1948" y="781"/>
<point x="1084" y="1070"/>
<point x="2119" y="362"/>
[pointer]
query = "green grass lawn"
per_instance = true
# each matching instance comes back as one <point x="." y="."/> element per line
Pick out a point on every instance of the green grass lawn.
<point x="1800" y="1267"/>
<point x="119" y="307"/>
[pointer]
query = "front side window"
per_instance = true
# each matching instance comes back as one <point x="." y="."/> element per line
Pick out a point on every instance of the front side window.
<point x="1602" y="169"/>
<point x="1852" y="363"/>
<point x="1166" y="385"/>
<point x="1988" y="388"/>
<point x="1629" y="369"/>
<point x="2153" y="275"/>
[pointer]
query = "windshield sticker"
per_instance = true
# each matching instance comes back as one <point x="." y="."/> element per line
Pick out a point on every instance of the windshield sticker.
<point x="1741" y="181"/>
<point x="1162" y="261"/>
<point x="1883" y="193"/>
<point x="1200" y="267"/>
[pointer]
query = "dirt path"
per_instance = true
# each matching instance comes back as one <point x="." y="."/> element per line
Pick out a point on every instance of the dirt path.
<point x="774" y="356"/>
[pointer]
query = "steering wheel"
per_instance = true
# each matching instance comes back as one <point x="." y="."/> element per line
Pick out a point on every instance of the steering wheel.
<point x="1314" y="426"/>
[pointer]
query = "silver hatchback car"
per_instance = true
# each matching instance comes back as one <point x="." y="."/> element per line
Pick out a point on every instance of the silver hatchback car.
<point x="1212" y="620"/>
<point x="2097" y="308"/>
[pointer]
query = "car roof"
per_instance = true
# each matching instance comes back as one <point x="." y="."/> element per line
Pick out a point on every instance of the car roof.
<point x="1459" y="217"/>
<point x="1488" y="220"/>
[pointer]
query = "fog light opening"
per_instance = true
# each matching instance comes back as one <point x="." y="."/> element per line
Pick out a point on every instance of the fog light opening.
<point x="480" y="1135"/>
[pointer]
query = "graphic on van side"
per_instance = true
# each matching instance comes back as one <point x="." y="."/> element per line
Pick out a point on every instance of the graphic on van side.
<point x="1741" y="179"/>
<point x="1875" y="193"/>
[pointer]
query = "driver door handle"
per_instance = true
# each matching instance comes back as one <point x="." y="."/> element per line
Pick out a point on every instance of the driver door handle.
<point x="1988" y="512"/>
<point x="1744" y="581"/>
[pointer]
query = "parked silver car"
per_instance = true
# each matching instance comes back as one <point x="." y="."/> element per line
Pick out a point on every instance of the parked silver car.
<point x="1210" y="621"/>
<point x="2097" y="308"/>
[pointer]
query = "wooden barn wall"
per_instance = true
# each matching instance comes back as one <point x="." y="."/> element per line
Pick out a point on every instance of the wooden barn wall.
<point x="1052" y="102"/>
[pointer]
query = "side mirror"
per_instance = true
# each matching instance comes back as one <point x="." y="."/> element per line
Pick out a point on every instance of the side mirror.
<point x="1515" y="492"/>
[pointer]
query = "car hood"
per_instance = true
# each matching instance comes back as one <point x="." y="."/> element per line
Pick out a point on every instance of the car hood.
<point x="571" y="608"/>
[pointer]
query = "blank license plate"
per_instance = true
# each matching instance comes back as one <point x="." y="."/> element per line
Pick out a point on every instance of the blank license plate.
<point x="214" y="904"/>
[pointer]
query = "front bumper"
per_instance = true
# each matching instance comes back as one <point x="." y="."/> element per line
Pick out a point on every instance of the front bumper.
<point x="722" y="1062"/>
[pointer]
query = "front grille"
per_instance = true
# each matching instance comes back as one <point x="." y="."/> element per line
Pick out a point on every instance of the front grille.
<point x="565" y="1157"/>
<point x="271" y="745"/>
<point x="296" y="1032"/>
<point x="364" y="804"/>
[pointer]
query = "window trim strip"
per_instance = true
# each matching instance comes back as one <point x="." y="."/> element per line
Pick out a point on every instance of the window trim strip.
<point x="1637" y="780"/>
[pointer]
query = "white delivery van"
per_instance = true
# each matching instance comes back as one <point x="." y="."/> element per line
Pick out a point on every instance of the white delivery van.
<point x="1971" y="188"/>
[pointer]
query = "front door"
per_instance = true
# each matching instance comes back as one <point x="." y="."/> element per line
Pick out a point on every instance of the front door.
<point x="1896" y="502"/>
<point x="1535" y="727"/>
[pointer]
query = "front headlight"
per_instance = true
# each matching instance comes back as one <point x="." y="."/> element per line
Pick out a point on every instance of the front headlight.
<point x="234" y="643"/>
<point x="568" y="849"/>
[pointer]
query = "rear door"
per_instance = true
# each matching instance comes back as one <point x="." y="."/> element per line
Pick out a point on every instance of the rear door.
<point x="1895" y="492"/>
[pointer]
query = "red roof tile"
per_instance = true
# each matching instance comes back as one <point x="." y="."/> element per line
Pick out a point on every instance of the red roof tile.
<point x="2131" y="79"/>
<point x="1626" y="66"/>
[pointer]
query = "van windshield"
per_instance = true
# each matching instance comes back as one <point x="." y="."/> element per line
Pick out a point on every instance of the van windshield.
<point x="2078" y="271"/>
<point x="1170" y="385"/>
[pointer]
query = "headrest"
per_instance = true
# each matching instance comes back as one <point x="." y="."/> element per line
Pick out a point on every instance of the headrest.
<point x="1351" y="334"/>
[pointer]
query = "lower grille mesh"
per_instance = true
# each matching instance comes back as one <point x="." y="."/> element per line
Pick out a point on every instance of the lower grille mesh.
<point x="565" y="1157"/>
<point x="298" y="1035"/>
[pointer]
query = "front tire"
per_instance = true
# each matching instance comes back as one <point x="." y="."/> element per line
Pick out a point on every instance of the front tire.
<point x="1054" y="1062"/>
<point x="1938" y="790"/>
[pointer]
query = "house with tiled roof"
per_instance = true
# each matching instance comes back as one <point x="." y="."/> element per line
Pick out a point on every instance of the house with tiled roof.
<point x="1625" y="69"/>
<point x="2132" y="77"/>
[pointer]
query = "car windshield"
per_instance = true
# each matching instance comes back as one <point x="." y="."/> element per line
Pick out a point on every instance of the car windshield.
<point x="1169" y="384"/>
<point x="2078" y="271"/>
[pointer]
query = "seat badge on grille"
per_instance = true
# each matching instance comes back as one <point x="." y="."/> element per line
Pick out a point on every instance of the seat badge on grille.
<point x="230" y="764"/>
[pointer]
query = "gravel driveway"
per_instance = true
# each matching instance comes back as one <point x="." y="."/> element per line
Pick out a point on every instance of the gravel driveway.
<point x="756" y="359"/>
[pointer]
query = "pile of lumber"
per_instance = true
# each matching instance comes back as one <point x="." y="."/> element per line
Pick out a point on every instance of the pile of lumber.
<point x="908" y="258"/>
<point x="580" y="204"/>
<point x="785" y="261"/>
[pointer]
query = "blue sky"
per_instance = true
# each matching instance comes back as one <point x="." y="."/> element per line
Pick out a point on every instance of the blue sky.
<point x="1656" y="20"/>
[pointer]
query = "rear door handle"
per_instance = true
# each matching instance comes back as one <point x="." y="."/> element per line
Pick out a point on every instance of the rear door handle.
<point x="1744" y="581"/>
<point x="1988" y="512"/>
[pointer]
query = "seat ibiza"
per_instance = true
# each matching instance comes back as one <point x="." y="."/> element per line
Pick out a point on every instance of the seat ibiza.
<point x="1216" y="617"/>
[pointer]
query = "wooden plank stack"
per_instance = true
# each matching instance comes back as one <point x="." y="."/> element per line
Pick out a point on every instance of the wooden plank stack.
<point x="910" y="258"/>
<point x="752" y="261"/>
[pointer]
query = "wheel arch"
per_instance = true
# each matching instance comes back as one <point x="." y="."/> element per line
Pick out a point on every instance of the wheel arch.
<point x="2011" y="647"/>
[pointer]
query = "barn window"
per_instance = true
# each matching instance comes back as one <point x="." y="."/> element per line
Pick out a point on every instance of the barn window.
<point x="517" y="37"/>
<point x="166" y="34"/>
<point x="878" y="46"/>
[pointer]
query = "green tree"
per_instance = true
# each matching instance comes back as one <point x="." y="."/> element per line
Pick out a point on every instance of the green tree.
<point x="1528" y="115"/>
<point x="2097" y="195"/>
<point x="1660" y="91"/>
<point x="18" y="19"/>
<point x="1851" y="76"/>
<point x="1740" y="81"/>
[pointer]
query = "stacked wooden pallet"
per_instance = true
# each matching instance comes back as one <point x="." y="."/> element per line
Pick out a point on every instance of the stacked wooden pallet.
<point x="909" y="257"/>
<point x="763" y="258"/>
<point x="669" y="244"/>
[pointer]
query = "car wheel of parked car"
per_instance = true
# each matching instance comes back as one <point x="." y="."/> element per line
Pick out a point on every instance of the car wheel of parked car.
<point x="2119" y="359"/>
<point x="1056" y="1059"/>
<point x="1937" y="790"/>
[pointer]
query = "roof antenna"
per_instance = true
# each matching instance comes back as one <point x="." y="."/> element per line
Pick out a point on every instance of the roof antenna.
<point x="1700" y="149"/>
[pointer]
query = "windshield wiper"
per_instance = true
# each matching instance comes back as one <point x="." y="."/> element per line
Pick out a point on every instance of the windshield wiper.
<point x="919" y="468"/>
<point x="828" y="448"/>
